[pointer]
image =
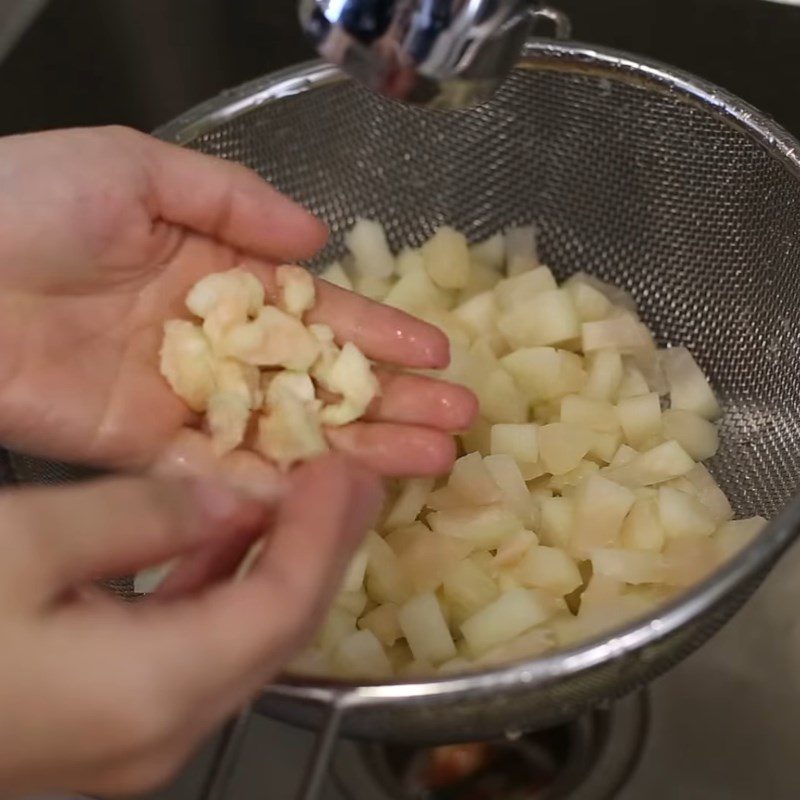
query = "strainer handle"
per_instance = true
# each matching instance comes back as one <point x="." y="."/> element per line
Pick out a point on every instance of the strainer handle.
<point x="223" y="761"/>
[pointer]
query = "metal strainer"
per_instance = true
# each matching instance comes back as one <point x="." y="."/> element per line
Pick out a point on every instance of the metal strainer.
<point x="644" y="176"/>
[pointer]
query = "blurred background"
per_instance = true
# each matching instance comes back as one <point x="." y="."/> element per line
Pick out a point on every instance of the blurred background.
<point x="142" y="62"/>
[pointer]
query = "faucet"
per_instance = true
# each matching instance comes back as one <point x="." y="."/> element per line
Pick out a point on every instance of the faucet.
<point x="441" y="53"/>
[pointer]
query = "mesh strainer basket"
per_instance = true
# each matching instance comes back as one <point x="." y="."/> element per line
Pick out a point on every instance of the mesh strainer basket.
<point x="644" y="176"/>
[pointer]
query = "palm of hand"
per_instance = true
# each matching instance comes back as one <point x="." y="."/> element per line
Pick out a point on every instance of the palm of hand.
<point x="84" y="383"/>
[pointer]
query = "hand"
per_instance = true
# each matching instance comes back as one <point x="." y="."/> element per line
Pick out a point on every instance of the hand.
<point x="102" y="232"/>
<point x="99" y="696"/>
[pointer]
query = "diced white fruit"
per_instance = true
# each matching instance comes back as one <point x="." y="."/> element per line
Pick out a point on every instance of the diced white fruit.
<point x="596" y="415"/>
<point x="311" y="663"/>
<point x="530" y="471"/>
<point x="273" y="339"/>
<point x="556" y="521"/>
<point x="427" y="559"/>
<point x="187" y="363"/>
<point x="616" y="295"/>
<point x="688" y="386"/>
<point x="409" y="503"/>
<point x="227" y="417"/>
<point x="562" y="446"/>
<point x="633" y="382"/>
<point x="425" y="629"/>
<point x="372" y="287"/>
<point x="354" y="577"/>
<point x="296" y="384"/>
<point x="401" y="539"/>
<point x="336" y="275"/>
<point x="513" y="491"/>
<point x="629" y="566"/>
<point x="709" y="493"/>
<point x="513" y="549"/>
<point x="225" y="299"/>
<point x="623" y="456"/>
<point x="478" y="314"/>
<point x="736" y="534"/>
<point x="352" y="602"/>
<point x="473" y="481"/>
<point x="416" y="669"/>
<point x="642" y="529"/>
<point x="543" y="373"/>
<point x="366" y="240"/>
<point x="500" y="398"/>
<point x="521" y="251"/>
<point x="361" y="654"/>
<point x="490" y="252"/>
<point x="600" y="509"/>
<point x="521" y="441"/>
<point x="695" y="434"/>
<point x="527" y="645"/>
<point x="383" y="622"/>
<point x="604" y="376"/>
<point x="297" y="289"/>
<point x="622" y="333"/>
<point x="290" y="433"/>
<point x="661" y="463"/>
<point x="386" y="581"/>
<point x="605" y="445"/>
<point x="444" y="499"/>
<point x="683" y="515"/>
<point x="243" y="380"/>
<point x="416" y="293"/>
<point x="519" y="289"/>
<point x="575" y="477"/>
<point x="350" y="376"/>
<point x="590" y="303"/>
<point x="546" y="318"/>
<point x="640" y="418"/>
<point x="688" y="560"/>
<point x="486" y="527"/>
<point x="548" y="568"/>
<point x="338" y="625"/>
<point x="446" y="257"/>
<point x="648" y="362"/>
<point x="481" y="279"/>
<point x="409" y="260"/>
<point x="511" y="614"/>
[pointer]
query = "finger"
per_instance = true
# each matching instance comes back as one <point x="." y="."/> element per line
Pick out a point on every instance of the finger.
<point x="395" y="450"/>
<point x="417" y="400"/>
<point x="229" y="202"/>
<point x="69" y="535"/>
<point x="381" y="332"/>
<point x="227" y="638"/>
<point x="191" y="454"/>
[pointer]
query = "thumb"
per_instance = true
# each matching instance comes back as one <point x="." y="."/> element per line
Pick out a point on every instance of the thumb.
<point x="64" y="536"/>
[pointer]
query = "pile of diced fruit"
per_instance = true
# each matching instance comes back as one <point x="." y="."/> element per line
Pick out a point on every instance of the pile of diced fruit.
<point x="580" y="500"/>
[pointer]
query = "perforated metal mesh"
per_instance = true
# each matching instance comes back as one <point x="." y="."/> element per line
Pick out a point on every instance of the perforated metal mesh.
<point x="624" y="178"/>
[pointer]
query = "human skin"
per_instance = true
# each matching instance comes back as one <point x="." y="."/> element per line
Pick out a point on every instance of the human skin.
<point x="102" y="232"/>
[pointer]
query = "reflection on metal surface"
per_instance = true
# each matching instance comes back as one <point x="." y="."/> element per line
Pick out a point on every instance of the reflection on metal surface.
<point x="587" y="759"/>
<point x="441" y="53"/>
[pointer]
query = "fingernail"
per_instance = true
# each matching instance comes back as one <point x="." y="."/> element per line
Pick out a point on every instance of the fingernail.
<point x="368" y="499"/>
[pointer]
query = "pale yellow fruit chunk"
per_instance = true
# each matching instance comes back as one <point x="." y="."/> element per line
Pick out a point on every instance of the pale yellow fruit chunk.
<point x="298" y="294"/>
<point x="290" y="433"/>
<point x="446" y="257"/>
<point x="351" y="376"/>
<point x="187" y="363"/>
<point x="273" y="339"/>
<point x="227" y="417"/>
